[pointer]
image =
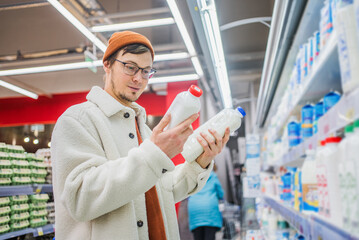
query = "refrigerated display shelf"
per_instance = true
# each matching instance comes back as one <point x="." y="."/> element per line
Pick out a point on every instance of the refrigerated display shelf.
<point x="324" y="78"/>
<point x="39" y="231"/>
<point x="311" y="226"/>
<point x="25" y="189"/>
<point x="340" y="115"/>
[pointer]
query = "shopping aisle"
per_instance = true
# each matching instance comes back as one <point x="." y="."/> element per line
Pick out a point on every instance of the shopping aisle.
<point x="310" y="139"/>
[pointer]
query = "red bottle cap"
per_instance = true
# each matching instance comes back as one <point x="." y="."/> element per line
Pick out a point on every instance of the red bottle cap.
<point x="333" y="139"/>
<point x="195" y="91"/>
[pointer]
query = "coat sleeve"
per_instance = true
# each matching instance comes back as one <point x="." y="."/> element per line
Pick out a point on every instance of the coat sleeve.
<point x="186" y="179"/>
<point x="89" y="184"/>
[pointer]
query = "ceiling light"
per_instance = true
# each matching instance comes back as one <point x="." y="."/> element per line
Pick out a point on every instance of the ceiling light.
<point x="49" y="144"/>
<point x="133" y="25"/>
<point x="171" y="56"/>
<point x="36" y="141"/>
<point x="82" y="28"/>
<point x="177" y="78"/>
<point x="79" y="65"/>
<point x="184" y="33"/>
<point x="18" y="89"/>
<point x="51" y="68"/>
<point x="26" y="139"/>
<point x="211" y="28"/>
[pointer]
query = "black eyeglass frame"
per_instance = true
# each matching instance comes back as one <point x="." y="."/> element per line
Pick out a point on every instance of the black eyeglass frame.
<point x="153" y="71"/>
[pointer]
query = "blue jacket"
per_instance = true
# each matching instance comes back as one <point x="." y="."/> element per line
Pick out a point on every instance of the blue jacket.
<point x="203" y="206"/>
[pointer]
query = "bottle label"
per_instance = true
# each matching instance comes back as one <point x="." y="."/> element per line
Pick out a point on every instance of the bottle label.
<point x="310" y="197"/>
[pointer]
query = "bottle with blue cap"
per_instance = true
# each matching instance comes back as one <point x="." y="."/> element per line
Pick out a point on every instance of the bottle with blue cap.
<point x="231" y="118"/>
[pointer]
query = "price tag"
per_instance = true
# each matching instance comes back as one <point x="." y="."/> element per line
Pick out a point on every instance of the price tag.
<point x="350" y="114"/>
<point x="38" y="189"/>
<point x="40" y="232"/>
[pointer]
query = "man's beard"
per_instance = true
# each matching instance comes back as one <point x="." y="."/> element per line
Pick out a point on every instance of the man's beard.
<point x="121" y="96"/>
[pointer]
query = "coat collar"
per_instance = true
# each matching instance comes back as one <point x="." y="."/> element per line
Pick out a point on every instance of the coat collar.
<point x="111" y="106"/>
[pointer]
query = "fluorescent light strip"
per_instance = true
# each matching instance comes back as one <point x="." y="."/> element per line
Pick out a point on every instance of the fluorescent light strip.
<point x="51" y="68"/>
<point x="184" y="33"/>
<point x="18" y="89"/>
<point x="78" y="65"/>
<point x="83" y="29"/>
<point x="171" y="56"/>
<point x="133" y="25"/>
<point x="211" y="27"/>
<point x="178" y="78"/>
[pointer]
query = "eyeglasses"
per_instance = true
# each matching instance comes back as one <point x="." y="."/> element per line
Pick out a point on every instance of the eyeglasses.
<point x="131" y="69"/>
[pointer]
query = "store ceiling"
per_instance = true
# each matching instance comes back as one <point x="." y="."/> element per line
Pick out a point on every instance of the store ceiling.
<point x="32" y="28"/>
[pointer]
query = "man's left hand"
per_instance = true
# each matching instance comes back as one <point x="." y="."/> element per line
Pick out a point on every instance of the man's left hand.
<point x="212" y="147"/>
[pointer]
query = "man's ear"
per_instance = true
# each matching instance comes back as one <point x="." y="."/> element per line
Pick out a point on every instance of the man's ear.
<point x="106" y="66"/>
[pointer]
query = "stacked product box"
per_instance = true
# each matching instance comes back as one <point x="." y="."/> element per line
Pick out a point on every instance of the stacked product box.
<point x="19" y="218"/>
<point x="38" y="210"/>
<point x="51" y="212"/>
<point x="45" y="153"/>
<point x="38" y="168"/>
<point x="5" y="211"/>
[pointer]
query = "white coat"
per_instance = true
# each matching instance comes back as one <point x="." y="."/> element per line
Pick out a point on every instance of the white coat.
<point x="100" y="174"/>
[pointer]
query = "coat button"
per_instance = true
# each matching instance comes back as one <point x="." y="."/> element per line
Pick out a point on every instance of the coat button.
<point x="126" y="115"/>
<point x="131" y="135"/>
<point x="139" y="223"/>
<point x="164" y="170"/>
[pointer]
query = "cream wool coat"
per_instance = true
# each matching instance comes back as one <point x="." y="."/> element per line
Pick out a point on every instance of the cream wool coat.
<point x="100" y="174"/>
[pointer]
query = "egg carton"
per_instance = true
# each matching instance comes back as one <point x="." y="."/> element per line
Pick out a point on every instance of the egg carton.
<point x="19" y="208"/>
<point x="37" y="222"/>
<point x="19" y="199"/>
<point x="4" y="228"/>
<point x="22" y="172"/>
<point x="5" y="163"/>
<point x="18" y="217"/>
<point x="37" y="206"/>
<point x="19" y="225"/>
<point x="5" y="181"/>
<point x="4" y="220"/>
<point x="6" y="172"/>
<point x="4" y="201"/>
<point x="21" y="180"/>
<point x="44" y="197"/>
<point x="5" y="210"/>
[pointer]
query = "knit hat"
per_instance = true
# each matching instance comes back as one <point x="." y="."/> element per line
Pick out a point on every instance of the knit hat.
<point x="122" y="39"/>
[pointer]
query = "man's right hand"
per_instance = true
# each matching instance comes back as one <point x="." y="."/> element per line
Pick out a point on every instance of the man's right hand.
<point x="172" y="140"/>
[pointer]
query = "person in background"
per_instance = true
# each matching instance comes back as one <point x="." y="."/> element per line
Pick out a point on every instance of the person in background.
<point x="112" y="177"/>
<point x="205" y="218"/>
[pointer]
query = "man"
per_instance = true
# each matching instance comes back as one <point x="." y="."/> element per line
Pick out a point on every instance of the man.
<point x="113" y="178"/>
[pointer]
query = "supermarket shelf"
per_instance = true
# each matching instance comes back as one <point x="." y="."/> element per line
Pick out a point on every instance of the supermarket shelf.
<point x="25" y="189"/>
<point x="47" y="229"/>
<point x="297" y="220"/>
<point x="40" y="231"/>
<point x="16" y="233"/>
<point x="312" y="226"/>
<point x="340" y="115"/>
<point x="324" y="77"/>
<point x="296" y="155"/>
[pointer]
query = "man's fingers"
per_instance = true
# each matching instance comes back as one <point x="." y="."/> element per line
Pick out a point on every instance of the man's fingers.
<point x="216" y="136"/>
<point x="183" y="126"/>
<point x="163" y="123"/>
<point x="210" y="141"/>
<point x="203" y="143"/>
<point x="225" y="137"/>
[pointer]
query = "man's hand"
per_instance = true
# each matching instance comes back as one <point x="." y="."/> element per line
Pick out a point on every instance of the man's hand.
<point x="212" y="147"/>
<point x="171" y="141"/>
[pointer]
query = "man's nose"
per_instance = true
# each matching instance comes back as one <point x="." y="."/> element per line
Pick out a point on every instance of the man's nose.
<point x="138" y="76"/>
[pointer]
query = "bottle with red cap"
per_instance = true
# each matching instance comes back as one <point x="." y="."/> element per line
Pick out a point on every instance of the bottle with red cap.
<point x="331" y="161"/>
<point x="184" y="105"/>
<point x="320" y="174"/>
<point x="228" y="117"/>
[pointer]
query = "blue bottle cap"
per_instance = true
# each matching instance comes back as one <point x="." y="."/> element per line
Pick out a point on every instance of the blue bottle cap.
<point x="241" y="111"/>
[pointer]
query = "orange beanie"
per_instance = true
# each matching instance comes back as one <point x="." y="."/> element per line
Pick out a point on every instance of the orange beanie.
<point x="122" y="39"/>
